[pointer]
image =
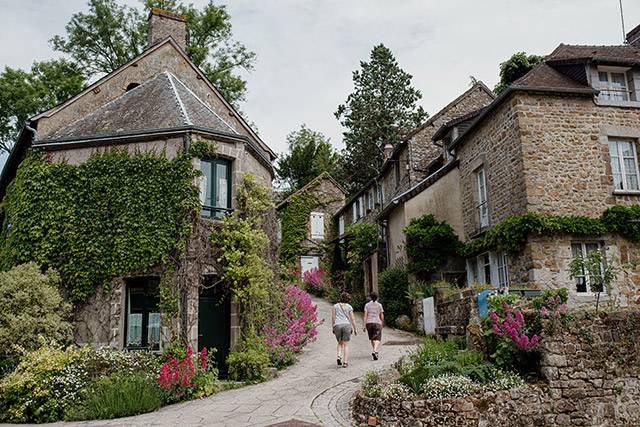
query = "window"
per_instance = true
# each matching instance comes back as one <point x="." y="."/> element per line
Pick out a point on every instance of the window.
<point x="215" y="188"/>
<point x="362" y="206"/>
<point x="381" y="196"/>
<point x="488" y="268"/>
<point x="612" y="85"/>
<point x="370" y="200"/>
<point x="354" y="210"/>
<point x="397" y="171"/>
<point x="279" y="230"/>
<point x="143" y="315"/>
<point x="341" y="225"/>
<point x="624" y="164"/>
<point x="482" y="206"/>
<point x="503" y="271"/>
<point x="317" y="225"/>
<point x="583" y="282"/>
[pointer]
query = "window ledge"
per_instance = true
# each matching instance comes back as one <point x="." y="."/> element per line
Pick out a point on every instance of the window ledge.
<point x="626" y="192"/>
<point x="610" y="103"/>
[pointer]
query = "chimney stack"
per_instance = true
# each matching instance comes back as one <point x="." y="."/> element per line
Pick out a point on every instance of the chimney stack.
<point x="163" y="24"/>
<point x="387" y="151"/>
<point x="633" y="37"/>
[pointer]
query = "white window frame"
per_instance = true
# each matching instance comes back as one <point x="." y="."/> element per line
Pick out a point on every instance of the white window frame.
<point x="584" y="276"/>
<point x="315" y="261"/>
<point x="498" y="269"/>
<point x="381" y="195"/>
<point x="354" y="211"/>
<point x="502" y="267"/>
<point x="316" y="220"/>
<point x="607" y="90"/>
<point x="341" y="225"/>
<point x="620" y="159"/>
<point x="482" y="205"/>
<point x="370" y="200"/>
<point x="279" y="229"/>
<point x="362" y="206"/>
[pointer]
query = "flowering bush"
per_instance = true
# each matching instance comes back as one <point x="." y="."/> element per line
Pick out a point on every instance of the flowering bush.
<point x="371" y="384"/>
<point x="314" y="281"/>
<point x="513" y="327"/>
<point x="449" y="385"/>
<point x="396" y="391"/>
<point x="504" y="380"/>
<point x="191" y="376"/>
<point x="297" y="326"/>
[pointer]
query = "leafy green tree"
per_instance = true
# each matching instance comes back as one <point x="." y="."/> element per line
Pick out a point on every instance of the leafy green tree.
<point x="310" y="154"/>
<point x="25" y="93"/>
<point x="515" y="67"/>
<point x="31" y="311"/>
<point x="381" y="109"/>
<point x="595" y="268"/>
<point x="109" y="34"/>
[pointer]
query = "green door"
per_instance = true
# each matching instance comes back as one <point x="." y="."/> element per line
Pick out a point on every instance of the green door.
<point x="214" y="323"/>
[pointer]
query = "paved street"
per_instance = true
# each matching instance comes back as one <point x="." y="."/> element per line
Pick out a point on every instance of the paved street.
<point x="314" y="390"/>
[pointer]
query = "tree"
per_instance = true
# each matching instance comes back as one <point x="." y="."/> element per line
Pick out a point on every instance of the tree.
<point x="515" y="67"/>
<point x="381" y="110"/>
<point x="25" y="93"/>
<point x="596" y="270"/>
<point x="31" y="311"/>
<point x="310" y="154"/>
<point x="110" y="34"/>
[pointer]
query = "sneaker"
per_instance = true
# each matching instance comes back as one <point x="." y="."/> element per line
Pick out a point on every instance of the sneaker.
<point x="339" y="362"/>
<point x="344" y="365"/>
<point x="375" y="355"/>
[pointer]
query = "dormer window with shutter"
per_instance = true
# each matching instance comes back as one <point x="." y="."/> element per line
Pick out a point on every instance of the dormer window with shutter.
<point x="613" y="84"/>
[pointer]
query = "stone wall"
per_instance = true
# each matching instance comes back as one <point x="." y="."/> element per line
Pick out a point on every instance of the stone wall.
<point x="591" y="372"/>
<point x="495" y="146"/>
<point x="454" y="312"/>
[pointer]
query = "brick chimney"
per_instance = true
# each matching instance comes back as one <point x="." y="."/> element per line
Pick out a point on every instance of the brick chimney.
<point x="163" y="24"/>
<point x="633" y="37"/>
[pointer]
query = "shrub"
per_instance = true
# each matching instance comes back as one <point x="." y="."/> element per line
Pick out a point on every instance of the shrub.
<point x="315" y="281"/>
<point x="396" y="391"/>
<point x="45" y="383"/>
<point x="297" y="326"/>
<point x="118" y="395"/>
<point x="250" y="365"/>
<point x="393" y="284"/>
<point x="504" y="380"/>
<point x="358" y="300"/>
<point x="371" y="384"/>
<point x="429" y="244"/>
<point x="31" y="311"/>
<point x="419" y="290"/>
<point x="191" y="376"/>
<point x="449" y="385"/>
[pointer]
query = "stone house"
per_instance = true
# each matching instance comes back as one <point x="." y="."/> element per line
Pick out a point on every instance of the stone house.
<point x="157" y="102"/>
<point x="316" y="203"/>
<point x="561" y="140"/>
<point x="405" y="167"/>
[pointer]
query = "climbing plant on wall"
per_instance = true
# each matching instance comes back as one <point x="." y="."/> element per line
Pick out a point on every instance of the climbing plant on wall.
<point x="114" y="214"/>
<point x="241" y="244"/>
<point x="294" y="219"/>
<point x="362" y="241"/>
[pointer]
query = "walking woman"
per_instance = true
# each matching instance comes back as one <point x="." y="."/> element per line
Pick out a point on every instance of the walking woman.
<point x="373" y="319"/>
<point x="343" y="323"/>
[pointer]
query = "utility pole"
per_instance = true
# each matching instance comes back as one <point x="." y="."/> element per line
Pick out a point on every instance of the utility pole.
<point x="624" y="33"/>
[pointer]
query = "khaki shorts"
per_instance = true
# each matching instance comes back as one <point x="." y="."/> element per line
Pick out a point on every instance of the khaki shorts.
<point x="342" y="332"/>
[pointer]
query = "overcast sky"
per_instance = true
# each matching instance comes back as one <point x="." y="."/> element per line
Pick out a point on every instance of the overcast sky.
<point x="307" y="49"/>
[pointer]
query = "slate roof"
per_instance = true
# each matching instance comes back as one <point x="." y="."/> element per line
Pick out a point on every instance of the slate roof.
<point x="163" y="102"/>
<point x="617" y="52"/>
<point x="543" y="75"/>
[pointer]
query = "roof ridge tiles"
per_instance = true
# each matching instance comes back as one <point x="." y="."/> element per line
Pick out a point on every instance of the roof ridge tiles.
<point x="183" y="110"/>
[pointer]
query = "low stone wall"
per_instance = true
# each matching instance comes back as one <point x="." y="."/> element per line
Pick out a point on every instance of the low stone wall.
<point x="453" y="312"/>
<point x="591" y="373"/>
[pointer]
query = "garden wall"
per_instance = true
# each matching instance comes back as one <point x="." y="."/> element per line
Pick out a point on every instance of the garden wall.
<point x="591" y="373"/>
<point x="453" y="312"/>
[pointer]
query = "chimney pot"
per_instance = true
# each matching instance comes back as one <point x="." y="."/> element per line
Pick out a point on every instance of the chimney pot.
<point x="633" y="37"/>
<point x="387" y="151"/>
<point x="163" y="24"/>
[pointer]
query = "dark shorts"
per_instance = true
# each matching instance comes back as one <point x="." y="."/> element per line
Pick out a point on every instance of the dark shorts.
<point x="342" y="332"/>
<point x="375" y="331"/>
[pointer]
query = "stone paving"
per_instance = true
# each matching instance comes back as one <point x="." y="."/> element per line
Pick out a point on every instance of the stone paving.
<point x="314" y="390"/>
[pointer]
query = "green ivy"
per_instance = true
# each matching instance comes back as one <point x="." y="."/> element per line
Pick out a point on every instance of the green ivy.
<point x="294" y="218"/>
<point x="362" y="241"/>
<point x="112" y="215"/>
<point x="203" y="149"/>
<point x="242" y="245"/>
<point x="429" y="244"/>
<point x="511" y="234"/>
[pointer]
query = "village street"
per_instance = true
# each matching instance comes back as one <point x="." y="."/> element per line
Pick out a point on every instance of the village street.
<point x="314" y="390"/>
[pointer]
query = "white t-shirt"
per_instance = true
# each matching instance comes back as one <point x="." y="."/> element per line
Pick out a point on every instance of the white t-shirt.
<point x="342" y="313"/>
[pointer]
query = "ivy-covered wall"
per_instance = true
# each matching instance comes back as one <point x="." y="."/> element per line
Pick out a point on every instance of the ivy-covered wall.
<point x="114" y="214"/>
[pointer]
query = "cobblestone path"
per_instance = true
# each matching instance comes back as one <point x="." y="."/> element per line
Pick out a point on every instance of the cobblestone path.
<point x="312" y="392"/>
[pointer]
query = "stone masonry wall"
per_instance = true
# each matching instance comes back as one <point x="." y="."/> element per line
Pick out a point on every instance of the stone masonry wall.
<point x="422" y="151"/>
<point x="494" y="146"/>
<point x="567" y="168"/>
<point x="592" y="375"/>
<point x="453" y="312"/>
